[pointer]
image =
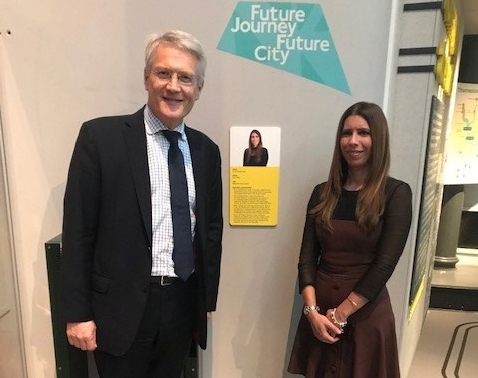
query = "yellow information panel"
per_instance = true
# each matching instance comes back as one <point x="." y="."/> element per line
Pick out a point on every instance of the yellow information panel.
<point x="254" y="196"/>
<point x="254" y="176"/>
<point x="445" y="65"/>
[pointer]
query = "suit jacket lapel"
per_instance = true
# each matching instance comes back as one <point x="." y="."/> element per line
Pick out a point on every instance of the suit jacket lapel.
<point x="198" y="164"/>
<point x="199" y="169"/>
<point x="135" y="139"/>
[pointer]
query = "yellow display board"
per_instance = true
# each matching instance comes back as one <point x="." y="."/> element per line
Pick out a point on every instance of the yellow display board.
<point x="254" y="176"/>
<point x="445" y="65"/>
<point x="254" y="196"/>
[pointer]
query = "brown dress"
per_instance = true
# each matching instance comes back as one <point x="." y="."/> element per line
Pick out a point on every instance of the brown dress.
<point x="349" y="260"/>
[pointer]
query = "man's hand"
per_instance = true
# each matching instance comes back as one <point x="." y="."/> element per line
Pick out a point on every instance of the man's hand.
<point x="82" y="335"/>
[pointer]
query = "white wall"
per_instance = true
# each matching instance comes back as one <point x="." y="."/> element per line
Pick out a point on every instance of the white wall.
<point x="65" y="62"/>
<point x="412" y="107"/>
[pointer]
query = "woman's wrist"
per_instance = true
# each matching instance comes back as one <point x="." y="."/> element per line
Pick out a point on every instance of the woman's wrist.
<point x="309" y="309"/>
<point x="353" y="303"/>
<point x="337" y="319"/>
<point x="340" y="314"/>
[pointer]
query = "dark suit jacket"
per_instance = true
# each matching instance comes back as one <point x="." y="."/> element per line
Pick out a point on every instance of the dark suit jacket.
<point x="106" y="252"/>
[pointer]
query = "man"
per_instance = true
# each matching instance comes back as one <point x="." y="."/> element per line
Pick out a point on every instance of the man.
<point x="121" y="294"/>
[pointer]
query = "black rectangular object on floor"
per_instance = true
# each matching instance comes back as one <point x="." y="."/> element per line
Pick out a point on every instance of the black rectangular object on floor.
<point x="71" y="362"/>
<point x="454" y="298"/>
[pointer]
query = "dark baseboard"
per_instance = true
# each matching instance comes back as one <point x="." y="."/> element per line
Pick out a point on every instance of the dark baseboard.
<point x="454" y="298"/>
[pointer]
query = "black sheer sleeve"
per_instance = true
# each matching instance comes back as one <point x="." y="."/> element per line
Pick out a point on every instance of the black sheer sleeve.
<point x="395" y="228"/>
<point x="310" y="248"/>
<point x="264" y="157"/>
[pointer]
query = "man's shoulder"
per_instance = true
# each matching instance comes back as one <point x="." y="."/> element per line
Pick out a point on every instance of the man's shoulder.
<point x="196" y="136"/>
<point x="104" y="121"/>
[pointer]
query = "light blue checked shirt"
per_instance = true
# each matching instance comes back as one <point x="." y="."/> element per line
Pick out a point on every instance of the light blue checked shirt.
<point x="158" y="146"/>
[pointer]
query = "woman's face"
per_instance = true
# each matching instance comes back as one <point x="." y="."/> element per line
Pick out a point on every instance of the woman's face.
<point x="356" y="142"/>
<point x="255" y="139"/>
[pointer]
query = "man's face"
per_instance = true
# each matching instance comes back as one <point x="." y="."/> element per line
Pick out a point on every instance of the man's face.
<point x="172" y="84"/>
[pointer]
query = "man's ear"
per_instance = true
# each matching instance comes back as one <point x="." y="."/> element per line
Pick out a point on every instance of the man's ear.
<point x="145" y="76"/>
<point x="199" y="92"/>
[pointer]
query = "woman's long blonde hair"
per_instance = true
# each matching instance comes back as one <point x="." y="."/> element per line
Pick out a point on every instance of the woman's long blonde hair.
<point x="371" y="198"/>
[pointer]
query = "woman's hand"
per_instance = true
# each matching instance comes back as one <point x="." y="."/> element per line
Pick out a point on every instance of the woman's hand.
<point x="336" y="319"/>
<point x="323" y="328"/>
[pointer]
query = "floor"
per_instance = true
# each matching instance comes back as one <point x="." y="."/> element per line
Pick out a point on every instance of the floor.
<point x="463" y="276"/>
<point x="449" y="342"/>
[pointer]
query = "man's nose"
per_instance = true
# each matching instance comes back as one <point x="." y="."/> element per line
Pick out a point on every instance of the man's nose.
<point x="173" y="83"/>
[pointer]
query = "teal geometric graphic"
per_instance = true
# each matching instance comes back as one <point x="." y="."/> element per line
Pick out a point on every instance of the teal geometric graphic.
<point x="292" y="37"/>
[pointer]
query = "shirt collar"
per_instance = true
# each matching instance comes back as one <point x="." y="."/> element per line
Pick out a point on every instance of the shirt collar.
<point x="153" y="125"/>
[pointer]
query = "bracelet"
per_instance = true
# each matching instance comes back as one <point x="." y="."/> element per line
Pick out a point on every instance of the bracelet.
<point x="334" y="319"/>
<point x="351" y="301"/>
<point x="308" y="309"/>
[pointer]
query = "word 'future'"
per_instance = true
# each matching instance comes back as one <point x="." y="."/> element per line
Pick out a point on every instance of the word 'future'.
<point x="283" y="23"/>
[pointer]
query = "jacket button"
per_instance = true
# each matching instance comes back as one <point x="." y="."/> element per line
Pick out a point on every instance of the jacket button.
<point x="144" y="289"/>
<point x="336" y="286"/>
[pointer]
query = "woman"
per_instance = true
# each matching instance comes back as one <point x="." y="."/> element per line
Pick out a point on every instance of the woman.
<point x="356" y="227"/>
<point x="255" y="155"/>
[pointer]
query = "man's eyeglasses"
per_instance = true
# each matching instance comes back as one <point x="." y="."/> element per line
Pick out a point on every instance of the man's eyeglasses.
<point x="183" y="79"/>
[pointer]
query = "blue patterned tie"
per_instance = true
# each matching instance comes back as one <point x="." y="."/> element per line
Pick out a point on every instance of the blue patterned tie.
<point x="183" y="247"/>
